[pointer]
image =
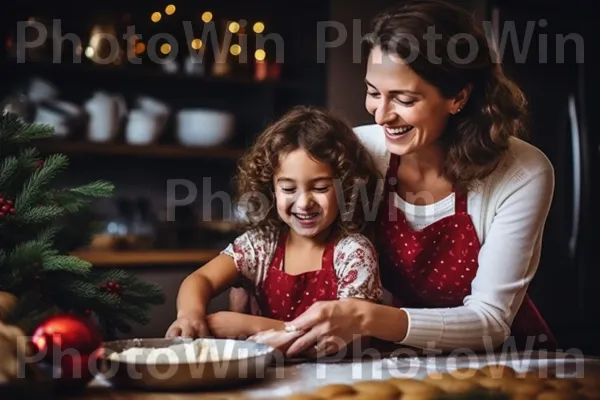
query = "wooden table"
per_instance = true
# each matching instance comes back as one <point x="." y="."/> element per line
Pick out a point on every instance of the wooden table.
<point x="280" y="382"/>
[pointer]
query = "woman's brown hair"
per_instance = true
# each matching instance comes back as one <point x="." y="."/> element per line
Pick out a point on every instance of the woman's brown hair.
<point x="477" y="137"/>
<point x="326" y="138"/>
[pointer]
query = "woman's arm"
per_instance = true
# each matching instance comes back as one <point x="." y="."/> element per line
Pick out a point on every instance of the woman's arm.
<point x="508" y="261"/>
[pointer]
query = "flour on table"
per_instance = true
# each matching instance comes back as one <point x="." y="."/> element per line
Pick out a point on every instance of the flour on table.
<point x="197" y="351"/>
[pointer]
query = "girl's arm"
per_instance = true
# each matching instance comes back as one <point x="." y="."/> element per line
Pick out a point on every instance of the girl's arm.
<point x="233" y="325"/>
<point x="202" y="285"/>
<point x="195" y="293"/>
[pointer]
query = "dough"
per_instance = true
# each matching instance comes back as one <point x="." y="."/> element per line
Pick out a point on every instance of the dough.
<point x="548" y="395"/>
<point x="564" y="385"/>
<point x="589" y="392"/>
<point x="488" y="382"/>
<point x="535" y="375"/>
<point x="457" y="386"/>
<point x="498" y="371"/>
<point x="527" y="388"/>
<point x="382" y="389"/>
<point x="466" y="373"/>
<point x="303" y="396"/>
<point x="415" y="388"/>
<point x="334" y="390"/>
<point x="438" y="376"/>
<point x="361" y="396"/>
<point x="198" y="350"/>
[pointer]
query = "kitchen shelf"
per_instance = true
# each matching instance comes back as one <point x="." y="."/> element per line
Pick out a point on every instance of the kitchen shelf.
<point x="143" y="74"/>
<point x="74" y="148"/>
<point x="141" y="258"/>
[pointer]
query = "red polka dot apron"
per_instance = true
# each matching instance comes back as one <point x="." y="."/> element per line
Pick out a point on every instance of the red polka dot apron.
<point x="434" y="267"/>
<point x="284" y="297"/>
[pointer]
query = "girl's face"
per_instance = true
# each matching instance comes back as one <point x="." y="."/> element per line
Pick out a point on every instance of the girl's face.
<point x="305" y="194"/>
<point x="412" y="112"/>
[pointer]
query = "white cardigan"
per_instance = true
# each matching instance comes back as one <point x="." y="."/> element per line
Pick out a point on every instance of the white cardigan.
<point x="509" y="211"/>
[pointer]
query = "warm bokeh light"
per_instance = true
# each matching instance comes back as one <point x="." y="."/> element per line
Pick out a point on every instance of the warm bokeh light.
<point x="170" y="9"/>
<point x="234" y="27"/>
<point x="235" y="49"/>
<point x="165" y="48"/>
<point x="140" y="47"/>
<point x="207" y="16"/>
<point x="89" y="52"/>
<point x="258" y="27"/>
<point x="260" y="55"/>
<point x="156" y="16"/>
<point x="196" y="44"/>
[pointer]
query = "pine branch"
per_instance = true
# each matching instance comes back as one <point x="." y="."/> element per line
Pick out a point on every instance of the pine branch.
<point x="70" y="264"/>
<point x="10" y="126"/>
<point x="33" y="261"/>
<point x="39" y="215"/>
<point x="8" y="169"/>
<point x="47" y="235"/>
<point x="38" y="181"/>
<point x="71" y="202"/>
<point x="95" y="189"/>
<point x="3" y="258"/>
<point x="28" y="253"/>
<point x="133" y="289"/>
<point x="14" y="129"/>
<point x="34" y="132"/>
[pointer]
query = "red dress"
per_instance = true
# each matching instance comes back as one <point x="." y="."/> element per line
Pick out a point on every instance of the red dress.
<point x="434" y="267"/>
<point x="284" y="297"/>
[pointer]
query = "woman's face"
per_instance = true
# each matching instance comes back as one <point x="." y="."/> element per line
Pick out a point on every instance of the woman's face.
<point x="412" y="112"/>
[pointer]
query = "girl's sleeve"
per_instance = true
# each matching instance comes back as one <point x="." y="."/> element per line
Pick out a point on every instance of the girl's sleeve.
<point x="357" y="269"/>
<point x="251" y="252"/>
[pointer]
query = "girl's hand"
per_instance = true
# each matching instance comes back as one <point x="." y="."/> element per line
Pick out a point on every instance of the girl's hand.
<point x="230" y="325"/>
<point x="328" y="327"/>
<point x="191" y="324"/>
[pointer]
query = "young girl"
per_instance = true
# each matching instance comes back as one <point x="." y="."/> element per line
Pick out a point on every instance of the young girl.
<point x="304" y="182"/>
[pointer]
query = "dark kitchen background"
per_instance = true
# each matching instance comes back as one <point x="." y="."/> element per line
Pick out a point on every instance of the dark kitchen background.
<point x="144" y="125"/>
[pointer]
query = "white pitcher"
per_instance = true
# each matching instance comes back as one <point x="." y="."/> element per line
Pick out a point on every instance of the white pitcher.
<point x="105" y="113"/>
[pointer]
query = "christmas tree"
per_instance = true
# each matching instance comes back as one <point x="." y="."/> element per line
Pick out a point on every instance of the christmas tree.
<point x="39" y="225"/>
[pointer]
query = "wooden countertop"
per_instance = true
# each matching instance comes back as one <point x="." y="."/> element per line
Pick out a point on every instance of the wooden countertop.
<point x="285" y="380"/>
<point x="132" y="258"/>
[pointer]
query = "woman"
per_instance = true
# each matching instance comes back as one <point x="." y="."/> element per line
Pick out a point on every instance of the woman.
<point x="465" y="200"/>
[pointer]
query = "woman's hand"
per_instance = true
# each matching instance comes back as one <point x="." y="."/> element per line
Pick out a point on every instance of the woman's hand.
<point x="190" y="324"/>
<point x="329" y="327"/>
<point x="277" y="338"/>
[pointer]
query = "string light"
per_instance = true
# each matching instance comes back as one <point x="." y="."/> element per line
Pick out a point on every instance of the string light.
<point x="235" y="49"/>
<point x="156" y="16"/>
<point x="165" y="48"/>
<point x="258" y="27"/>
<point x="207" y="16"/>
<point x="234" y="27"/>
<point x="170" y="9"/>
<point x="260" y="55"/>
<point x="196" y="44"/>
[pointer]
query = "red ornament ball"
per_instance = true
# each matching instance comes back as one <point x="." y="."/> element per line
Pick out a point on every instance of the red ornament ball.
<point x="71" y="344"/>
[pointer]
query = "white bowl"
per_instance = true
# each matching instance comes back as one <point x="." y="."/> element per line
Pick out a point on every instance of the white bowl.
<point x="204" y="128"/>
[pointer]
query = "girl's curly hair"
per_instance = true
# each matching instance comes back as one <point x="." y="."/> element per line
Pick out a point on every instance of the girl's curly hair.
<point x="328" y="139"/>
